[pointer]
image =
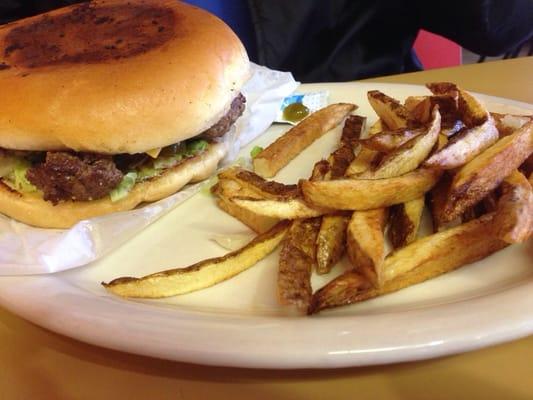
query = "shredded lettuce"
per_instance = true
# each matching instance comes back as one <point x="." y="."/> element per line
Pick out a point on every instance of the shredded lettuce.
<point x="16" y="177"/>
<point x="255" y="151"/>
<point x="196" y="146"/>
<point x="124" y="187"/>
<point x="146" y="173"/>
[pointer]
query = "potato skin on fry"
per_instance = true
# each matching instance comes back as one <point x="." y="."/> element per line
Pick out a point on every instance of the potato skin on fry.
<point x="278" y="154"/>
<point x="476" y="179"/>
<point x="296" y="261"/>
<point x="331" y="241"/>
<point x="202" y="274"/>
<point x="423" y="259"/>
<point x="513" y="221"/>
<point x="404" y="222"/>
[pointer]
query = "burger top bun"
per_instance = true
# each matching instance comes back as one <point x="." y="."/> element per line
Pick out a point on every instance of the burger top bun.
<point x="112" y="76"/>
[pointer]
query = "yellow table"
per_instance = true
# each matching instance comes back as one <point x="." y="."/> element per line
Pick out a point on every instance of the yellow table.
<point x="38" y="364"/>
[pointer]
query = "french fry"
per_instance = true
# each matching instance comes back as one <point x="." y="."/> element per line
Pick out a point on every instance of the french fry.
<point x="366" y="194"/>
<point x="508" y="123"/>
<point x="472" y="111"/>
<point x="409" y="156"/>
<point x="331" y="241"/>
<point x="366" y="156"/>
<point x="278" y="154"/>
<point x="404" y="222"/>
<point x="283" y="208"/>
<point x="254" y="186"/>
<point x="480" y="176"/>
<point x="366" y="242"/>
<point x="464" y="147"/>
<point x="423" y="259"/>
<point x="200" y="275"/>
<point x="258" y="223"/>
<point x="513" y="221"/>
<point x="389" y="110"/>
<point x="388" y="141"/>
<point x="296" y="261"/>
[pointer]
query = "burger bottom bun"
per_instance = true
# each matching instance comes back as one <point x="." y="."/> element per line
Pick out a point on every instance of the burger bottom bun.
<point x="34" y="210"/>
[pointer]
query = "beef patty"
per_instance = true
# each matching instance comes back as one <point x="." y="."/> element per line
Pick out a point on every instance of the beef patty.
<point x="75" y="176"/>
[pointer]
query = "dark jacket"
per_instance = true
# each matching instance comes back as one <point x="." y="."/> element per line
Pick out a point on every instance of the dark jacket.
<point x="341" y="40"/>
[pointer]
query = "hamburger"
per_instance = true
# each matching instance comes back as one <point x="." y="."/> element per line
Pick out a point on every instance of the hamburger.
<point x="109" y="104"/>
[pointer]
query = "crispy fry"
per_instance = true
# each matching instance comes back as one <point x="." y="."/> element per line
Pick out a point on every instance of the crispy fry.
<point x="366" y="156"/>
<point x="277" y="155"/>
<point x="257" y="186"/>
<point x="513" y="221"/>
<point x="409" y="156"/>
<point x="508" y="123"/>
<point x="472" y="111"/>
<point x="291" y="208"/>
<point x="404" y="222"/>
<point x="464" y="147"/>
<point x="437" y="200"/>
<point x="258" y="223"/>
<point x="296" y="261"/>
<point x="480" y="176"/>
<point x="389" y="110"/>
<point x="366" y="242"/>
<point x="423" y="259"/>
<point x="331" y="241"/>
<point x="320" y="170"/>
<point x="366" y="194"/>
<point x="388" y="141"/>
<point x="200" y="275"/>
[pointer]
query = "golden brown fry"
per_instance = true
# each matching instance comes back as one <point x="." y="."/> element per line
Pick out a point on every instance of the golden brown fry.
<point x="296" y="261"/>
<point x="390" y="140"/>
<point x="366" y="242"/>
<point x="320" y="170"/>
<point x="404" y="222"/>
<point x="389" y="110"/>
<point x="480" y="176"/>
<point x="464" y="146"/>
<point x="278" y="154"/>
<point x="252" y="185"/>
<point x="283" y="208"/>
<point x="366" y="194"/>
<point x="409" y="156"/>
<point x="200" y="275"/>
<point x="513" y="221"/>
<point x="331" y="241"/>
<point x="258" y="223"/>
<point x="423" y="259"/>
<point x="508" y="123"/>
<point x="366" y="156"/>
<point x="473" y="113"/>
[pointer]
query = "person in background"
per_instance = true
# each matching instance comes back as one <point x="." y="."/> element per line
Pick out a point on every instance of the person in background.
<point x="343" y="40"/>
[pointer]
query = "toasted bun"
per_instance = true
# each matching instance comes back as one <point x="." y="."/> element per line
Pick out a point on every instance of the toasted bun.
<point x="113" y="76"/>
<point x="33" y="210"/>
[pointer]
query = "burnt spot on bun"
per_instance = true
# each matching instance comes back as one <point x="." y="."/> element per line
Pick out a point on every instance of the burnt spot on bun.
<point x="89" y="34"/>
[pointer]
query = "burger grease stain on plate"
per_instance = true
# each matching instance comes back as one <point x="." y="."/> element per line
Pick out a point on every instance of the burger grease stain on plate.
<point x="89" y="34"/>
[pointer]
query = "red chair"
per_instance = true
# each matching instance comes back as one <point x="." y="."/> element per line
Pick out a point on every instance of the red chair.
<point x="434" y="51"/>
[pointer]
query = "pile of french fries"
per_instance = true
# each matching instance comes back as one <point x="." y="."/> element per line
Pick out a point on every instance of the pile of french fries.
<point x="472" y="168"/>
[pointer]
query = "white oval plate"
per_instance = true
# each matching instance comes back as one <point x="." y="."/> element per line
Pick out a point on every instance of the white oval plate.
<point x="239" y="323"/>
